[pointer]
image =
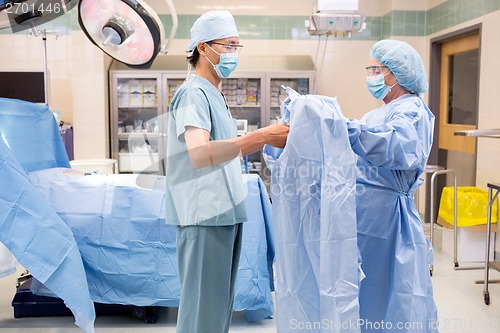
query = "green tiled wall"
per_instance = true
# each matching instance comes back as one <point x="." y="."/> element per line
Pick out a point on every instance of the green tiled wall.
<point x="453" y="12"/>
<point x="395" y="23"/>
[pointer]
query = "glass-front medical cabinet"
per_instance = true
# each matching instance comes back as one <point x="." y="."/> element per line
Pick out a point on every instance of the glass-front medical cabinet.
<point x="300" y="82"/>
<point x="139" y="101"/>
<point x="138" y="104"/>
<point x="245" y="97"/>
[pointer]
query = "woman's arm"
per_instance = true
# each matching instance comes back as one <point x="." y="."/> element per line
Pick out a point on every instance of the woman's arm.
<point x="394" y="145"/>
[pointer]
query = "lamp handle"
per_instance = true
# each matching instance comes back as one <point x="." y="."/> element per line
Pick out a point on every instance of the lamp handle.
<point x="165" y="44"/>
<point x="165" y="47"/>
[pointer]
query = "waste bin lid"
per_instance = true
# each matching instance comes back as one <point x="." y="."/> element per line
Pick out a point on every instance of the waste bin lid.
<point x="432" y="168"/>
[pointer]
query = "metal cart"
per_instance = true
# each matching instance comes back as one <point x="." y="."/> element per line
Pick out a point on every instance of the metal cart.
<point x="433" y="213"/>
<point x="489" y="133"/>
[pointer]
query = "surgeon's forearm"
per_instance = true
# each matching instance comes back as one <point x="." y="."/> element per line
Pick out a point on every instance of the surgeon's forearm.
<point x="213" y="153"/>
<point x="204" y="152"/>
<point x="220" y="151"/>
<point x="274" y="135"/>
<point x="251" y="142"/>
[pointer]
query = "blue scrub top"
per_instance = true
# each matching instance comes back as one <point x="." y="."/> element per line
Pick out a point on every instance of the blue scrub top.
<point x="214" y="195"/>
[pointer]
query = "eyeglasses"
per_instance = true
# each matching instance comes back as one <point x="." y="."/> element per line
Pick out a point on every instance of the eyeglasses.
<point x="230" y="48"/>
<point x="376" y="70"/>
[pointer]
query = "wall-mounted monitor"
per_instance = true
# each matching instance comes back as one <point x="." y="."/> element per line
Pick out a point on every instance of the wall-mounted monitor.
<point x="26" y="86"/>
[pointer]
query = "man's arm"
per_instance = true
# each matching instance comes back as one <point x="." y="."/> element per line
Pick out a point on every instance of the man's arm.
<point x="204" y="152"/>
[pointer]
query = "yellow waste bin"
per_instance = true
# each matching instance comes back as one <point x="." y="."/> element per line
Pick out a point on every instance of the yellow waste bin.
<point x="472" y="206"/>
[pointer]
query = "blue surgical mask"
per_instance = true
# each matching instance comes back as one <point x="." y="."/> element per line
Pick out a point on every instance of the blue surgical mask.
<point x="227" y="63"/>
<point x="377" y="87"/>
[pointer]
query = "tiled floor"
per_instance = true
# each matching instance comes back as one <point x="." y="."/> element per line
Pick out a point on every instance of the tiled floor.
<point x="460" y="303"/>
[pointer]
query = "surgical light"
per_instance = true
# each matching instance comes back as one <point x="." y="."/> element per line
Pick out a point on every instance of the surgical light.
<point x="21" y="15"/>
<point x="126" y="30"/>
<point x="6" y="7"/>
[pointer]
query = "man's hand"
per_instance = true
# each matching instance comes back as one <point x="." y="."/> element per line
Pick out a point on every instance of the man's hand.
<point x="276" y="135"/>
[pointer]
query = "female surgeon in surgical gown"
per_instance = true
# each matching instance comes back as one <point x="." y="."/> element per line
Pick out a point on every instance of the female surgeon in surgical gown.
<point x="392" y="144"/>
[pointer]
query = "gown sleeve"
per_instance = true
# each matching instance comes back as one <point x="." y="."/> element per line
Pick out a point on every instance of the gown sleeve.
<point x="395" y="144"/>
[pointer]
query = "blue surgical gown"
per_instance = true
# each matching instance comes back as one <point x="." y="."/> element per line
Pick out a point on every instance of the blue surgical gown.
<point x="313" y="193"/>
<point x="392" y="144"/>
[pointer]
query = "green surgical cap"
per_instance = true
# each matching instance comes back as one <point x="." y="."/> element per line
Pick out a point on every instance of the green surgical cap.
<point x="404" y="62"/>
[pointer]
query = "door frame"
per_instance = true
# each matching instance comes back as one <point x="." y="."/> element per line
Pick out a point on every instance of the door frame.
<point x="439" y="156"/>
<point x="447" y="140"/>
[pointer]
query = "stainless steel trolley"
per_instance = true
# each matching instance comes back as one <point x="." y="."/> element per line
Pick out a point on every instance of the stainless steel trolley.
<point x="433" y="213"/>
<point x="487" y="133"/>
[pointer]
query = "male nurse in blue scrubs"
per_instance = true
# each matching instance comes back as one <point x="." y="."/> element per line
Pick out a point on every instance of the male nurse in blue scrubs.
<point x="205" y="191"/>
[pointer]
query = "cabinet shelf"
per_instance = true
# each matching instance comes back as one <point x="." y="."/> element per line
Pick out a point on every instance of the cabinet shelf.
<point x="149" y="135"/>
<point x="126" y="108"/>
<point x="244" y="106"/>
<point x="151" y="156"/>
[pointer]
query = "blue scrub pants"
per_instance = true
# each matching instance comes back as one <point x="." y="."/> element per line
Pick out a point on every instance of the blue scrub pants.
<point x="208" y="262"/>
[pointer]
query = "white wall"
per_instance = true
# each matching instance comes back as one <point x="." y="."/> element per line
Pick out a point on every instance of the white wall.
<point x="90" y="98"/>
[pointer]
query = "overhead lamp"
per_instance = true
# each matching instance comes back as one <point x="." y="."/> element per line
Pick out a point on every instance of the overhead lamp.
<point x="6" y="8"/>
<point x="126" y="30"/>
<point x="26" y="14"/>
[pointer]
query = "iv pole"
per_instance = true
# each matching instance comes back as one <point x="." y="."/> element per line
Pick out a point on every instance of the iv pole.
<point x="35" y="32"/>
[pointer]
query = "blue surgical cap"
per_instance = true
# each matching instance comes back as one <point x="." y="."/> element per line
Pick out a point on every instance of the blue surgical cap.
<point x="211" y="26"/>
<point x="404" y="62"/>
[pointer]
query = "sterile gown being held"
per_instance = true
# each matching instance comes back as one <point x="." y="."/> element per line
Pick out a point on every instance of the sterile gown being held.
<point x="313" y="194"/>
